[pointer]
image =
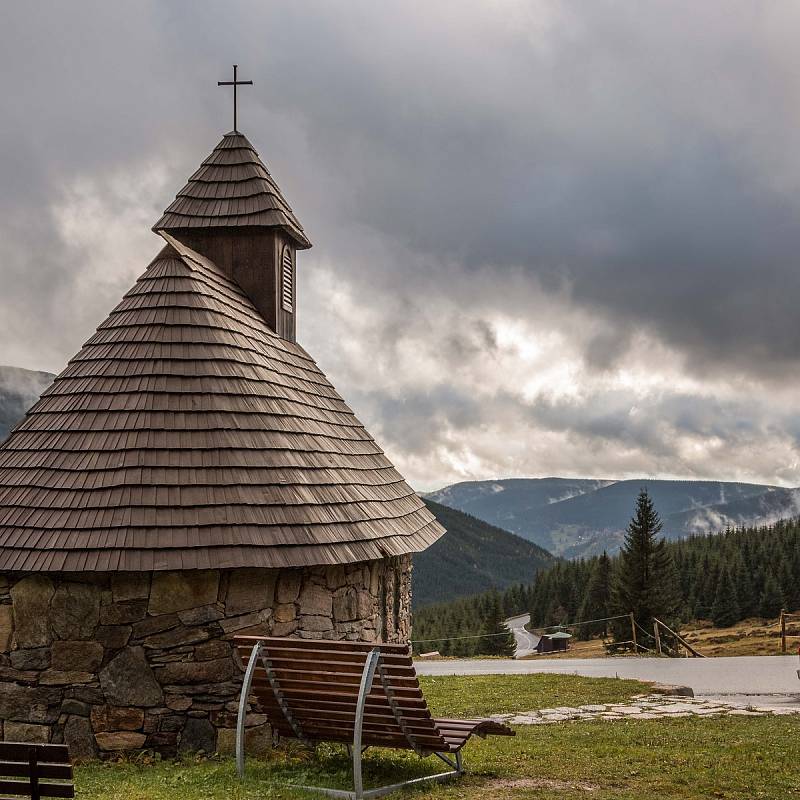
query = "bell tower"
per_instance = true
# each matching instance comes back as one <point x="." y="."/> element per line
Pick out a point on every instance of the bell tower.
<point x="233" y="212"/>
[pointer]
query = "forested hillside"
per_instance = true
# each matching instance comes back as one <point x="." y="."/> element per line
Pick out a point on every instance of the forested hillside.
<point x="724" y="577"/>
<point x="472" y="557"/>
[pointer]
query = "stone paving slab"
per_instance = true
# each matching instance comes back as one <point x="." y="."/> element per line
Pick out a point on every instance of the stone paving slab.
<point x="653" y="706"/>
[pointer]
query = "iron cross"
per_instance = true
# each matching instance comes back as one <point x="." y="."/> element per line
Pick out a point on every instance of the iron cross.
<point x="234" y="83"/>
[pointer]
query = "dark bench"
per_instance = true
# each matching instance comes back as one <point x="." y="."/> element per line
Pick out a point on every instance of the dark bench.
<point x="31" y="770"/>
<point x="360" y="694"/>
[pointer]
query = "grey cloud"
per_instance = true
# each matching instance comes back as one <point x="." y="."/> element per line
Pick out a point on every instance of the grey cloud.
<point x="632" y="162"/>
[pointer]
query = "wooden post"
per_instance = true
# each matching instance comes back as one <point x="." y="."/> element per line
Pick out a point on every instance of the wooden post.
<point x="633" y="634"/>
<point x="657" y="637"/>
<point x="783" y="631"/>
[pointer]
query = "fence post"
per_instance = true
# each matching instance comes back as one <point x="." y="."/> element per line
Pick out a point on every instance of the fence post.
<point x="657" y="636"/>
<point x="633" y="633"/>
<point x="783" y="630"/>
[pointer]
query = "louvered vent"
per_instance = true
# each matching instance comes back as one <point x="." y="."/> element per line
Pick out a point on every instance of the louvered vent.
<point x="287" y="280"/>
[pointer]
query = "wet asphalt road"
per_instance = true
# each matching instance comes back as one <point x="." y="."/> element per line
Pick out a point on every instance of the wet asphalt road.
<point x="737" y="678"/>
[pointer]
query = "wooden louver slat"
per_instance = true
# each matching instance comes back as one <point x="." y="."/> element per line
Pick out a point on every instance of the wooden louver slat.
<point x="287" y="280"/>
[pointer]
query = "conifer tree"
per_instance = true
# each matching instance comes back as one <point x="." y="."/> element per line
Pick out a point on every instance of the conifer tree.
<point x="597" y="602"/>
<point x="771" y="599"/>
<point x="498" y="639"/>
<point x="646" y="582"/>
<point x="725" y="611"/>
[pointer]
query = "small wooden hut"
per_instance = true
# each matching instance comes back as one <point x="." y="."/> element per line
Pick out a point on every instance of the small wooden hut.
<point x="192" y="474"/>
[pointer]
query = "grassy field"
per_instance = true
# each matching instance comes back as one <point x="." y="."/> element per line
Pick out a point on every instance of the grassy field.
<point x="735" y="757"/>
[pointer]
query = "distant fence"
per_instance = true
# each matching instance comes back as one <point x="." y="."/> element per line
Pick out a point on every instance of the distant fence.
<point x="787" y="631"/>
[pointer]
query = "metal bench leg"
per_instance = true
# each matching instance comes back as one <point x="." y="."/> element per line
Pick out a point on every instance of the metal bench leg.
<point x="248" y="680"/>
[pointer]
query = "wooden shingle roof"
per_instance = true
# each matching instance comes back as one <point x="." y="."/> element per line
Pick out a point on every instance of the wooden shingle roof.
<point x="186" y="435"/>
<point x="232" y="189"/>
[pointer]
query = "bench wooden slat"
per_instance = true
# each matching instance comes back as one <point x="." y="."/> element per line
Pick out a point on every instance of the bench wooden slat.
<point x="18" y="751"/>
<point x="325" y="644"/>
<point x="21" y="769"/>
<point x="45" y="789"/>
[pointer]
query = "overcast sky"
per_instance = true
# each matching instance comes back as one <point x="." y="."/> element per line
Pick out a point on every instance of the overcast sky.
<point x="549" y="238"/>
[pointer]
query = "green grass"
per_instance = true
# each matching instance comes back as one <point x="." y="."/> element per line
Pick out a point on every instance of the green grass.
<point x="736" y="758"/>
<point x="483" y="695"/>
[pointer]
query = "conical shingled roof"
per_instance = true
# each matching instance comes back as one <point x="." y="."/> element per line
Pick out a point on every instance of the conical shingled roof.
<point x="187" y="435"/>
<point x="232" y="189"/>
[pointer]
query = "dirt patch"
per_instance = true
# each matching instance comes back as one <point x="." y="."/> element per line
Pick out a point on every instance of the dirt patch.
<point x="502" y="784"/>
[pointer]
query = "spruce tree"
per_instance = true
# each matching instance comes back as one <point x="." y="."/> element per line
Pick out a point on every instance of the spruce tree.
<point x="597" y="602"/>
<point x="645" y="582"/>
<point x="771" y="599"/>
<point x="725" y="611"/>
<point x="498" y="639"/>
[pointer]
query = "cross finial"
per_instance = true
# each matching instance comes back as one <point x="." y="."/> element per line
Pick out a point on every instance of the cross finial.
<point x="234" y="83"/>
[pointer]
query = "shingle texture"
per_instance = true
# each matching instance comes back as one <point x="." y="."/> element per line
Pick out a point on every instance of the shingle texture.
<point x="232" y="188"/>
<point x="187" y="435"/>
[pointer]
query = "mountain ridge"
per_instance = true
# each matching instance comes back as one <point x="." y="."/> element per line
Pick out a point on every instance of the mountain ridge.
<point x="594" y="515"/>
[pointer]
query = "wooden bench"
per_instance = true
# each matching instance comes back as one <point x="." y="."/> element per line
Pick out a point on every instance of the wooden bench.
<point x="360" y="694"/>
<point x="38" y="765"/>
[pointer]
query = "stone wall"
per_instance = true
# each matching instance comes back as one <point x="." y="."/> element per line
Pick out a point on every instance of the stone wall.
<point x="111" y="662"/>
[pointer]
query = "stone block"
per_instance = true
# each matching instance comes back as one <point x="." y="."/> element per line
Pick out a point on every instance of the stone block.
<point x="355" y="575"/>
<point x="183" y="672"/>
<point x="26" y="732"/>
<point x="200" y="615"/>
<point x="57" y="677"/>
<point x="76" y="656"/>
<point x="36" y="659"/>
<point x="123" y="613"/>
<point x="151" y="722"/>
<point x="251" y="620"/>
<point x="172" y="722"/>
<point x="28" y="704"/>
<point x="130" y="586"/>
<point x="31" y="603"/>
<point x="116" y="718"/>
<point x="284" y="628"/>
<point x="113" y="637"/>
<point x="18" y="675"/>
<point x="315" y="624"/>
<point x="79" y="738"/>
<point x="285" y="612"/>
<point x="6" y="627"/>
<point x="257" y="741"/>
<point x="211" y="650"/>
<point x="316" y="600"/>
<point x="151" y="625"/>
<point x="178" y="702"/>
<point x="128" y="680"/>
<point x="249" y="590"/>
<point x="199" y="735"/>
<point x="176" y="638"/>
<point x="335" y="577"/>
<point x="76" y="707"/>
<point x="86" y="694"/>
<point x="352" y="604"/>
<point x="75" y="610"/>
<point x="288" y="586"/>
<point x="177" y="591"/>
<point x="120" y="741"/>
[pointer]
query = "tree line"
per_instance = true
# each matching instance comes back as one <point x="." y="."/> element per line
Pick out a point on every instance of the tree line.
<point x="724" y="578"/>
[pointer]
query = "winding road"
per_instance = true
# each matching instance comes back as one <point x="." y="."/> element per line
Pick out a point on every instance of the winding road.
<point x="526" y="642"/>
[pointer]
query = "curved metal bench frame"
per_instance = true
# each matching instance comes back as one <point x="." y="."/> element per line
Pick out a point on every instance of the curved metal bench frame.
<point x="356" y="750"/>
